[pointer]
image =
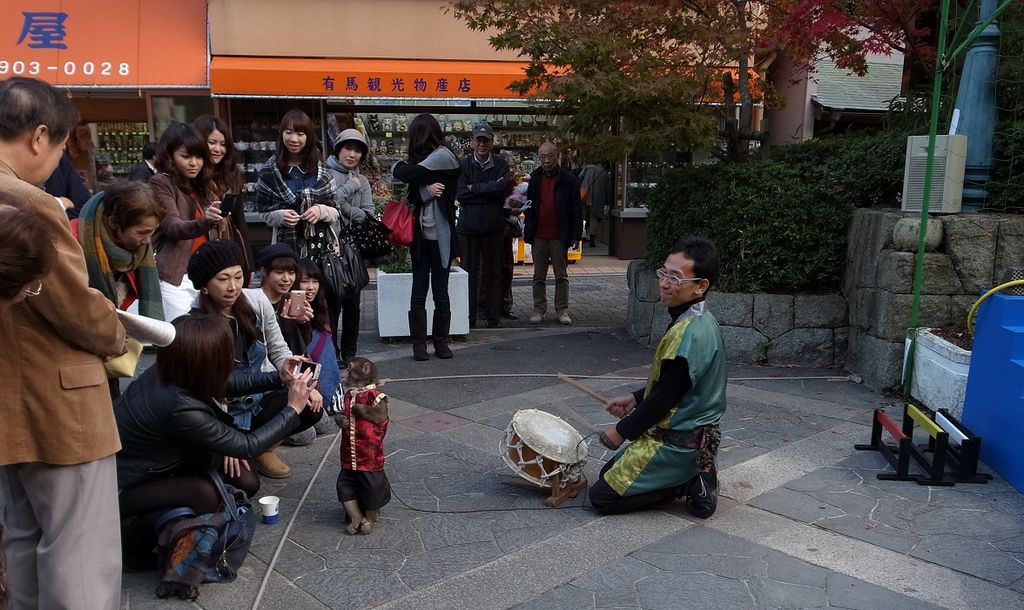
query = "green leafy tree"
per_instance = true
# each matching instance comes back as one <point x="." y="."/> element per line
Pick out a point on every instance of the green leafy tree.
<point x="648" y="76"/>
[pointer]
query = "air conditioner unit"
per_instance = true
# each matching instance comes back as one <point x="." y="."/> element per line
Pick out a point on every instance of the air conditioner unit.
<point x="947" y="174"/>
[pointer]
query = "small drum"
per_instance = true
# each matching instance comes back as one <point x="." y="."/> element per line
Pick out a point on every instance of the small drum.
<point x="539" y="445"/>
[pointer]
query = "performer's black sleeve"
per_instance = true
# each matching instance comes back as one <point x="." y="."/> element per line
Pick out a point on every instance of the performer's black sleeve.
<point x="673" y="382"/>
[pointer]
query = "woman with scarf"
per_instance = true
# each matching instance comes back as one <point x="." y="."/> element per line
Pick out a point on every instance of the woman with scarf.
<point x="432" y="173"/>
<point x="295" y="191"/>
<point x="115" y="229"/>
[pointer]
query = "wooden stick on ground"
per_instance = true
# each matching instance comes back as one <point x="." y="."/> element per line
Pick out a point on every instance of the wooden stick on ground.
<point x="582" y="388"/>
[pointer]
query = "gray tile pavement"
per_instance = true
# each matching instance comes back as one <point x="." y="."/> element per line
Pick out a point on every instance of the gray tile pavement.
<point x="802" y="522"/>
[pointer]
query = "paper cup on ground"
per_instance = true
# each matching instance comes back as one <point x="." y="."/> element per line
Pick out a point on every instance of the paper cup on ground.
<point x="269" y="505"/>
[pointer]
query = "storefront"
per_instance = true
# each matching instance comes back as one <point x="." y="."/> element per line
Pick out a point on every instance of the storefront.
<point x="129" y="71"/>
<point x="373" y="67"/>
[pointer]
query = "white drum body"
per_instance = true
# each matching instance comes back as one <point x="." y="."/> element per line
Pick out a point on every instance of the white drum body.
<point x="539" y="445"/>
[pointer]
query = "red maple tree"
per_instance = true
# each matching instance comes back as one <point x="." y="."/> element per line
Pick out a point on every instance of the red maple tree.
<point x="653" y="75"/>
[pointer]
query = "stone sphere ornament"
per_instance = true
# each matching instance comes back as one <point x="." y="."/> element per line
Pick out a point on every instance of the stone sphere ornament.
<point x="906" y="230"/>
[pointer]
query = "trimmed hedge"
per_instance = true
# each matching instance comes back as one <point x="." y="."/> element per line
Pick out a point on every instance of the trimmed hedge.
<point x="780" y="225"/>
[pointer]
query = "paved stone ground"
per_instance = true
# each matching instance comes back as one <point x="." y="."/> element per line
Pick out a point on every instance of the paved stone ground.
<point x="803" y="521"/>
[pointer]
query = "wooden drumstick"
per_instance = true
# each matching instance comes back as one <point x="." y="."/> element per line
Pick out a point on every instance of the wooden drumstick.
<point x="566" y="409"/>
<point x="582" y="388"/>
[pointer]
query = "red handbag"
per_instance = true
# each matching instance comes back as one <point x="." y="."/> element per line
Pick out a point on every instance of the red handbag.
<point x="398" y="217"/>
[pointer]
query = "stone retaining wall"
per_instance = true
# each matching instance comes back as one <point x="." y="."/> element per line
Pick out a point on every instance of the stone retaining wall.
<point x="967" y="256"/>
<point x="805" y="330"/>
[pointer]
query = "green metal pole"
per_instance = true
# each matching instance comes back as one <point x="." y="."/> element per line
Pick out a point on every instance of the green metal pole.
<point x="933" y="128"/>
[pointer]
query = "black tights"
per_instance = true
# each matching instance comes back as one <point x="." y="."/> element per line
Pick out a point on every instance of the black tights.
<point x="346" y="330"/>
<point x="429" y="272"/>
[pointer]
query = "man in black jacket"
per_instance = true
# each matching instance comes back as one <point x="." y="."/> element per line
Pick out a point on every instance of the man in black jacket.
<point x="147" y="169"/>
<point x="481" y="225"/>
<point x="554" y="221"/>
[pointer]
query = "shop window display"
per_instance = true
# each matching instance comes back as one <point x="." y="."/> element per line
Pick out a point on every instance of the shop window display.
<point x="515" y="135"/>
<point x="117" y="147"/>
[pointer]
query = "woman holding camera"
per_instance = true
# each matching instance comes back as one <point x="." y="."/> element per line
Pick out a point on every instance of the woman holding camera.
<point x="191" y="214"/>
<point x="173" y="426"/>
<point x="259" y="347"/>
<point x="226" y="184"/>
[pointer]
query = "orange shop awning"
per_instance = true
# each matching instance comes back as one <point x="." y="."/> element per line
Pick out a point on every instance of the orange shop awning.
<point x="363" y="78"/>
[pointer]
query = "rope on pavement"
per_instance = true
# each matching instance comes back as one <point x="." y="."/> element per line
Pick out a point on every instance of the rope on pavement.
<point x="330" y="448"/>
<point x="852" y="378"/>
<point x="291" y="521"/>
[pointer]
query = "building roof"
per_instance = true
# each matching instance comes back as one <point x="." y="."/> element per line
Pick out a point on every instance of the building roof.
<point x="840" y="89"/>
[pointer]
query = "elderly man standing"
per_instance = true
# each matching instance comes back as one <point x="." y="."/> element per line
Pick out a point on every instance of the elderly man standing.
<point x="481" y="226"/>
<point x="554" y="221"/>
<point x="58" y="479"/>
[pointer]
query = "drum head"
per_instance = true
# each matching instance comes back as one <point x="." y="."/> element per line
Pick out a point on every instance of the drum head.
<point x="550" y="436"/>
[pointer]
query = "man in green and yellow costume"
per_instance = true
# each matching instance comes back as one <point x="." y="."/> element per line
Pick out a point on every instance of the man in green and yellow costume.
<point x="673" y="422"/>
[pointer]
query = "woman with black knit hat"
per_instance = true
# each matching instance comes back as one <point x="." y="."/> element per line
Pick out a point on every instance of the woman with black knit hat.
<point x="216" y="271"/>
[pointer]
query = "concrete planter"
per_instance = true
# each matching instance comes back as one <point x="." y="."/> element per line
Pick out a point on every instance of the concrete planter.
<point x="940" y="373"/>
<point x="393" y="291"/>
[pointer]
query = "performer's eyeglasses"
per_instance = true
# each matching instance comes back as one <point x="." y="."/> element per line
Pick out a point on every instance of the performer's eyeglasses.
<point x="35" y="291"/>
<point x="675" y="280"/>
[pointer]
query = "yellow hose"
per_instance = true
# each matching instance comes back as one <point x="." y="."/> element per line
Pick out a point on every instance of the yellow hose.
<point x="974" y="308"/>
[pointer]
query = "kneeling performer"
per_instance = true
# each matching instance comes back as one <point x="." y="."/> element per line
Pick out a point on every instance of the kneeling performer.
<point x="673" y="421"/>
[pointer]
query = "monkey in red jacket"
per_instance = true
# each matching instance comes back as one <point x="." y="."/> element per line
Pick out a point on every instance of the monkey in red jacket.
<point x="363" y="487"/>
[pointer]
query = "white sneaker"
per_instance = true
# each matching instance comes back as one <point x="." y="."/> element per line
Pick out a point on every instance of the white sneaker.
<point x="536" y="318"/>
<point x="563" y="318"/>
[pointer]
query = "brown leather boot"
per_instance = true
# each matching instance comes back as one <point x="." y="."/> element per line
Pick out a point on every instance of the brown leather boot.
<point x="271" y="466"/>
<point x="418" y="332"/>
<point x="442" y="321"/>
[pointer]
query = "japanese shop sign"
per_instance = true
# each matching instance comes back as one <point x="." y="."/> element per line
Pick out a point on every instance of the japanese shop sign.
<point x="363" y="77"/>
<point x="130" y="43"/>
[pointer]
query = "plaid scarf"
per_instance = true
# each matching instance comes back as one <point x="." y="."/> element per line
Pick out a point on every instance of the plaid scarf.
<point x="272" y="194"/>
<point x="104" y="258"/>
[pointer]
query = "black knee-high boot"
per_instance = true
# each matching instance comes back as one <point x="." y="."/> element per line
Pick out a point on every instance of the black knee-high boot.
<point x="442" y="321"/>
<point x="418" y="332"/>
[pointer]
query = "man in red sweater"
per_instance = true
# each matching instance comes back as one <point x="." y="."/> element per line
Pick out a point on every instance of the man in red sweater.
<point x="554" y="221"/>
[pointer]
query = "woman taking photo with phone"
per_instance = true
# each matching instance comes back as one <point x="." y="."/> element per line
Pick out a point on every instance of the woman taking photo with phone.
<point x="226" y="184"/>
<point x="115" y="228"/>
<point x="191" y="215"/>
<point x="432" y="173"/>
<point x="279" y="268"/>
<point x="314" y="340"/>
<point x="173" y="427"/>
<point x="216" y="271"/>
